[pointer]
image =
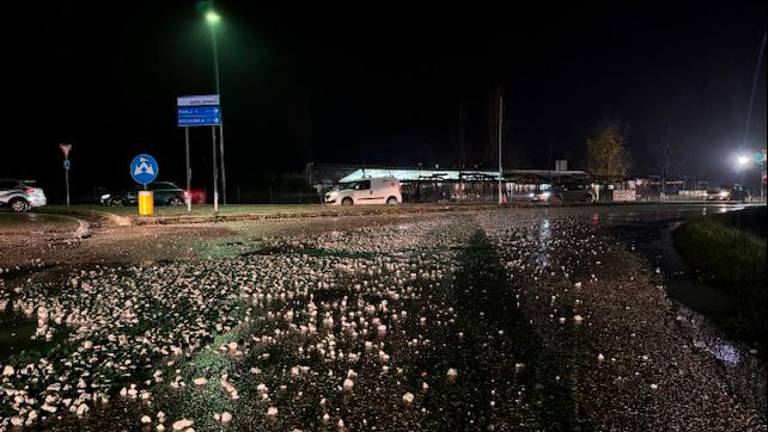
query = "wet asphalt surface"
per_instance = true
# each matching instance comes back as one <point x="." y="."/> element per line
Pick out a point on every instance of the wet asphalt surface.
<point x="528" y="319"/>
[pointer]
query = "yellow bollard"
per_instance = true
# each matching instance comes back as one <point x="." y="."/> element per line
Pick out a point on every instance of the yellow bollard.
<point x="146" y="203"/>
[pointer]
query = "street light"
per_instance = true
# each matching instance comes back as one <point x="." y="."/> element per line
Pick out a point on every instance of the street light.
<point x="212" y="18"/>
<point x="742" y="160"/>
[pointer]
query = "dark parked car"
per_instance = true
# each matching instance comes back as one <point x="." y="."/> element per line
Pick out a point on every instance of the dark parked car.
<point x="564" y="193"/>
<point x="165" y="193"/>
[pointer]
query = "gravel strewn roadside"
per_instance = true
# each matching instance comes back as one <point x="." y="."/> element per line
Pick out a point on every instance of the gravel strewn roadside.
<point x="486" y="321"/>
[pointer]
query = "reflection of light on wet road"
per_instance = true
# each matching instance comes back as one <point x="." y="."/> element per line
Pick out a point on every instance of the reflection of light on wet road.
<point x="543" y="239"/>
<point x="725" y="208"/>
<point x="725" y="352"/>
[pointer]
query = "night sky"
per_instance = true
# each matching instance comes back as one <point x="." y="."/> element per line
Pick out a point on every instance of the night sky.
<point x="379" y="85"/>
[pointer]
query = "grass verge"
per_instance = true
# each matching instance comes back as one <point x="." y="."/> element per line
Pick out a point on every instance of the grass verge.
<point x="731" y="260"/>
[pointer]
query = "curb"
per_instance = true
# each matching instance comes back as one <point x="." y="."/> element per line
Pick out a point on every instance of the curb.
<point x="192" y="219"/>
<point x="92" y="215"/>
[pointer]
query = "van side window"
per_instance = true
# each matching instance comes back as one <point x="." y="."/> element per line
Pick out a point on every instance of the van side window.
<point x="363" y="185"/>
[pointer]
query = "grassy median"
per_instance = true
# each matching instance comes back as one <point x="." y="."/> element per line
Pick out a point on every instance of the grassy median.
<point x="733" y="260"/>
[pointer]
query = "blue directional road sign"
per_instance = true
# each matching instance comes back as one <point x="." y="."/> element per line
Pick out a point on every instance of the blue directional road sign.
<point x="144" y="169"/>
<point x="199" y="116"/>
<point x="200" y="110"/>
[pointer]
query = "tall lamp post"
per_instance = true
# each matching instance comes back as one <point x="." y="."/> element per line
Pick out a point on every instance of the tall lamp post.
<point x="742" y="163"/>
<point x="212" y="19"/>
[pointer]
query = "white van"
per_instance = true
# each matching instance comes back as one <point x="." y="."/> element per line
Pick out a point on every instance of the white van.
<point x="381" y="190"/>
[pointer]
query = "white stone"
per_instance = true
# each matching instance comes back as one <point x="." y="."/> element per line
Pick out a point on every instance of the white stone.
<point x="348" y="384"/>
<point x="182" y="424"/>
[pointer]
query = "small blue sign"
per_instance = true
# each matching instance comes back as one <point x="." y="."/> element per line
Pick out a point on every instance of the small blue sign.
<point x="209" y="115"/>
<point x="144" y="169"/>
<point x="67" y="165"/>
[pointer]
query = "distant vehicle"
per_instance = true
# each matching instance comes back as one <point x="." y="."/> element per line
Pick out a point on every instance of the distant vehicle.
<point x="20" y="196"/>
<point x="381" y="190"/>
<point x="164" y="193"/>
<point x="734" y="193"/>
<point x="563" y="193"/>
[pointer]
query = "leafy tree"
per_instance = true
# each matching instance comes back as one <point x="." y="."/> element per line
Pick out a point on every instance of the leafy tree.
<point x="607" y="154"/>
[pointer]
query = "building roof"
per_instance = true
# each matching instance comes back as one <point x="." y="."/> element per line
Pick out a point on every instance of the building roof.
<point x="416" y="174"/>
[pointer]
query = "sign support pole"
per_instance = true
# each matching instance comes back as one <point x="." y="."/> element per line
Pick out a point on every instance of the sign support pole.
<point x="65" y="149"/>
<point x="66" y="179"/>
<point x="189" y="171"/>
<point x="215" y="171"/>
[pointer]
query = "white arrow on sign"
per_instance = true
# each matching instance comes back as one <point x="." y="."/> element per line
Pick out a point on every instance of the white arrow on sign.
<point x="143" y="167"/>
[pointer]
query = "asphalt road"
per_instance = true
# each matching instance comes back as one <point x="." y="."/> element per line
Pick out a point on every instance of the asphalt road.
<point x="517" y="319"/>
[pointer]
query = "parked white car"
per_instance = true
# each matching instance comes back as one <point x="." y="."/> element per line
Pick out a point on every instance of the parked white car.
<point x="380" y="190"/>
<point x="19" y="196"/>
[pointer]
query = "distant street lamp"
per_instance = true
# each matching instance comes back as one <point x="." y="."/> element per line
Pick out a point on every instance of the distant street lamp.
<point x="212" y="18"/>
<point x="742" y="160"/>
<point x="742" y="165"/>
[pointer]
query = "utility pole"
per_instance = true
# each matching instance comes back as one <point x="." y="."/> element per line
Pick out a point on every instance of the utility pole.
<point x="460" y="138"/>
<point x="221" y="112"/>
<point x="501" y="124"/>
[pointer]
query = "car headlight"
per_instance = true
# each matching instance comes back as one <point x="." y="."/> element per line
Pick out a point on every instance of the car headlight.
<point x="546" y="195"/>
<point x="724" y="194"/>
<point x="105" y="197"/>
<point x="531" y="195"/>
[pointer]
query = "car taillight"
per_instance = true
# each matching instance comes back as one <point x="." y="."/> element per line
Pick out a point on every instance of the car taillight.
<point x="29" y="190"/>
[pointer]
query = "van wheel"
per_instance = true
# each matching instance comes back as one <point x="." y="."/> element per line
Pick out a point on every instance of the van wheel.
<point x="18" y="205"/>
<point x="346" y="201"/>
<point x="391" y="200"/>
<point x="116" y="202"/>
<point x="175" y="201"/>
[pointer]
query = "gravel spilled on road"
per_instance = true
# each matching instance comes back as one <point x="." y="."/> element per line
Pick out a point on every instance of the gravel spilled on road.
<point x="469" y="322"/>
